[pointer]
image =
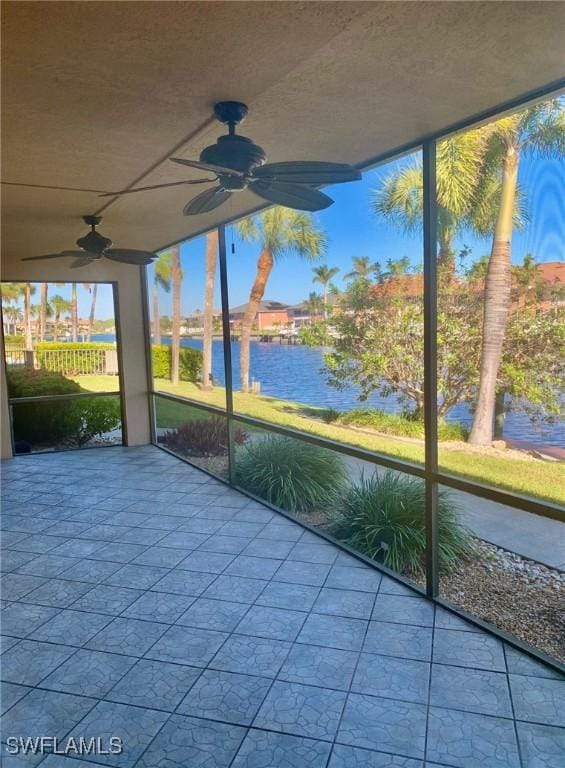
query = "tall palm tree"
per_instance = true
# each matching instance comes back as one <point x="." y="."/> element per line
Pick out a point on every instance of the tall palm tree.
<point x="362" y="268"/>
<point x="29" y="290"/>
<point x="314" y="305"/>
<point x="60" y="307"/>
<point x="459" y="171"/>
<point x="280" y="231"/>
<point x="14" y="316"/>
<point x="12" y="293"/>
<point x="92" y="288"/>
<point x="323" y="275"/>
<point x="161" y="279"/>
<point x="43" y="310"/>
<point x="539" y="130"/>
<point x="74" y="312"/>
<point x="176" y="283"/>
<point x="208" y="317"/>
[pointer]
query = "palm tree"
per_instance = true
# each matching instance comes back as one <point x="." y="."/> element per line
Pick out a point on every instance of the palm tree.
<point x="208" y="317"/>
<point x="162" y="279"/>
<point x="74" y="312"/>
<point x="459" y="172"/>
<point x="13" y="315"/>
<point x="539" y="130"/>
<point x="314" y="305"/>
<point x="362" y="268"/>
<point x="323" y="275"/>
<point x="92" y="288"/>
<point x="43" y="311"/>
<point x="12" y="292"/>
<point x="60" y="307"/>
<point x="176" y="282"/>
<point x="29" y="290"/>
<point x="280" y="231"/>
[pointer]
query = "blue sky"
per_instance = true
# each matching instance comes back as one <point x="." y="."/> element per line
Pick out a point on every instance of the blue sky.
<point x="353" y="230"/>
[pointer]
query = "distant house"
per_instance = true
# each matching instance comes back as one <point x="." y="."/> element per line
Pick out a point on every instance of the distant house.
<point x="270" y="316"/>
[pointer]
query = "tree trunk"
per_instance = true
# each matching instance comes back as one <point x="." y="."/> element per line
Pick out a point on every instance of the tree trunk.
<point x="208" y="319"/>
<point x="43" y="311"/>
<point x="74" y="312"/>
<point x="264" y="267"/>
<point x="156" y="318"/>
<point x="27" y="316"/>
<point x="497" y="304"/>
<point x="92" y="310"/>
<point x="326" y="301"/>
<point x="56" y="329"/>
<point x="176" y="279"/>
<point x="499" y="414"/>
<point x="445" y="259"/>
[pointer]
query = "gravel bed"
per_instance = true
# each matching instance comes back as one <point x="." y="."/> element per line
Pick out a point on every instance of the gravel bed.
<point x="520" y="596"/>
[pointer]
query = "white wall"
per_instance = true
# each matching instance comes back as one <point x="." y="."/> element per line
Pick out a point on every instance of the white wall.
<point x="131" y="324"/>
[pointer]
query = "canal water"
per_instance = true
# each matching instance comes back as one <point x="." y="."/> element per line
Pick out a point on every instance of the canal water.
<point x="295" y="373"/>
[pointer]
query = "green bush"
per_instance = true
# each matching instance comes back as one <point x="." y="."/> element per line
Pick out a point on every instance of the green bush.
<point x="384" y="517"/>
<point x="404" y="426"/>
<point x="76" y="421"/>
<point x="80" y="357"/>
<point x="95" y="417"/>
<point x="190" y="362"/>
<point x="291" y="474"/>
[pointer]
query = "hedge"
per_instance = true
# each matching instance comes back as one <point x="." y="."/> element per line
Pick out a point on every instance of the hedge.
<point x="14" y="341"/>
<point x="75" y="421"/>
<point x="190" y="362"/>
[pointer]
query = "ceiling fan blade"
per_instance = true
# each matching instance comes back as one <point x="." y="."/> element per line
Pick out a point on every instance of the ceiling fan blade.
<point x="82" y="262"/>
<point x="218" y="169"/>
<point x="291" y="195"/>
<point x="130" y="256"/>
<point x="157" y="186"/>
<point x="75" y="254"/>
<point x="207" y="201"/>
<point x="308" y="172"/>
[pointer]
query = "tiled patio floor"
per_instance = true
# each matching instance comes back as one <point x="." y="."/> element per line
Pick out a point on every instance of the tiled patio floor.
<point x="143" y="599"/>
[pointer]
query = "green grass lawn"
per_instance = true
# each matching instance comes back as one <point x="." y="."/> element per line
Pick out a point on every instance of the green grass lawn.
<point x="533" y="477"/>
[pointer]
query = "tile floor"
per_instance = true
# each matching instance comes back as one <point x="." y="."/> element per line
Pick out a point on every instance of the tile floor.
<point x="145" y="600"/>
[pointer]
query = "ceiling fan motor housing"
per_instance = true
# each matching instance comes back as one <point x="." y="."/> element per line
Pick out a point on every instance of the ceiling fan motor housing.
<point x="234" y="151"/>
<point x="94" y="242"/>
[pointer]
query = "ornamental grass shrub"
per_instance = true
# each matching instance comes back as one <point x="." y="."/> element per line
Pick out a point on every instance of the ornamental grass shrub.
<point x="291" y="474"/>
<point x="383" y="516"/>
<point x="398" y="424"/>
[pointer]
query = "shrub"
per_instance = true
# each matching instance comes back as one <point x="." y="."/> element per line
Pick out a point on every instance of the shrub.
<point x="404" y="426"/>
<point x="94" y="417"/>
<point x="384" y="517"/>
<point x="76" y="421"/>
<point x="190" y="362"/>
<point x="41" y="422"/>
<point x="202" y="437"/>
<point x="329" y="415"/>
<point x="291" y="474"/>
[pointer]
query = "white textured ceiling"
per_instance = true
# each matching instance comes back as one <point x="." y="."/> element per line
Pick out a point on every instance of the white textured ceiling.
<point x="96" y="95"/>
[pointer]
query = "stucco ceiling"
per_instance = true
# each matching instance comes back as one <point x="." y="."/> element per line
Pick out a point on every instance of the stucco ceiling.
<point x="96" y="95"/>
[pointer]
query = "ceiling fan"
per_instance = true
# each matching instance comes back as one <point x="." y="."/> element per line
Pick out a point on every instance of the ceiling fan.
<point x="237" y="163"/>
<point x="95" y="246"/>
